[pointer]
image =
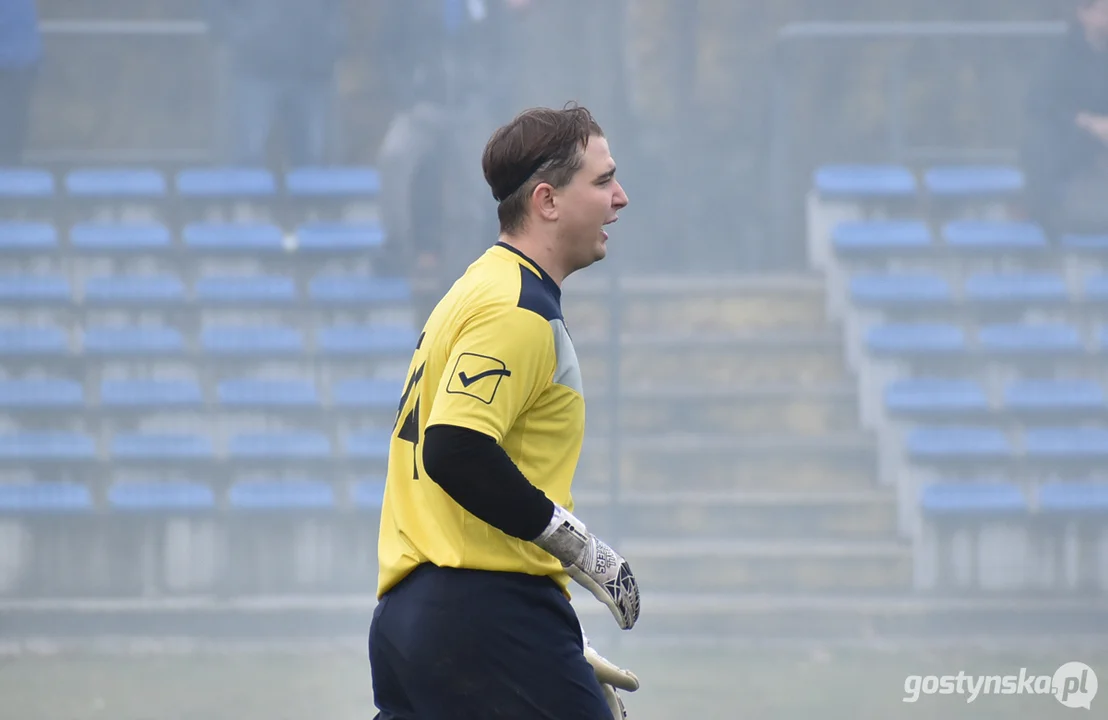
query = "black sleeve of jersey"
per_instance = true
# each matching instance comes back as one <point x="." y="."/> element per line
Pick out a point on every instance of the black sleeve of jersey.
<point x="479" y="476"/>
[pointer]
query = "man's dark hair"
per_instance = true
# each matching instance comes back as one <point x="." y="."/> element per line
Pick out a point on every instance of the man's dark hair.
<point x="540" y="145"/>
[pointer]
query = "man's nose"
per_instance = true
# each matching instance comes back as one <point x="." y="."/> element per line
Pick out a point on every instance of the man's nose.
<point x="620" y="200"/>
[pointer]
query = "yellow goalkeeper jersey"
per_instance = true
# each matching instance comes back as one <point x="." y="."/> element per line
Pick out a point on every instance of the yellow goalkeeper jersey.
<point x="495" y="356"/>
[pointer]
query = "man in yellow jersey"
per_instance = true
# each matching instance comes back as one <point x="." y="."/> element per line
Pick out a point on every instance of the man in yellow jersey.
<point x="478" y="541"/>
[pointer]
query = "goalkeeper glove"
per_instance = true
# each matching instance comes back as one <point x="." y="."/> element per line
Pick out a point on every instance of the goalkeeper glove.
<point x="612" y="679"/>
<point x="592" y="564"/>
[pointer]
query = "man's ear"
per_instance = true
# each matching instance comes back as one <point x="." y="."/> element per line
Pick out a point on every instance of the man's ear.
<point x="543" y="201"/>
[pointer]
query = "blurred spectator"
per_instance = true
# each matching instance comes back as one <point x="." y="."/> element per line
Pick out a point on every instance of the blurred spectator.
<point x="1065" y="152"/>
<point x="20" y="53"/>
<point x="449" y="69"/>
<point x="282" y="57"/>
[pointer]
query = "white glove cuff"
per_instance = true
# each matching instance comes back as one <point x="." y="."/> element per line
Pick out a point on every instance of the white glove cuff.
<point x="565" y="537"/>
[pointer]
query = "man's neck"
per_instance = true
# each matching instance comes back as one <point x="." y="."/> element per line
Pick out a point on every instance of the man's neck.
<point x="540" y="252"/>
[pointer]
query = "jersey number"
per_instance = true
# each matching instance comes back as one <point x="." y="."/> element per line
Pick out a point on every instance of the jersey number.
<point x="409" y="427"/>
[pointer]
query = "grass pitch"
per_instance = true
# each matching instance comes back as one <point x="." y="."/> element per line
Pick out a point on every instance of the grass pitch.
<point x="306" y="683"/>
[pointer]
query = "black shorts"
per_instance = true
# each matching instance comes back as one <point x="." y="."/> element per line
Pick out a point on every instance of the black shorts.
<point x="450" y="644"/>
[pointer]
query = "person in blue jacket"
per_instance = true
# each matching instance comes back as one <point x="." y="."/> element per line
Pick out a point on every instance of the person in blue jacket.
<point x="20" y="54"/>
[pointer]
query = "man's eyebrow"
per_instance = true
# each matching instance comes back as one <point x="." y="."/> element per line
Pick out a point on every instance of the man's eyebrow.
<point x="606" y="176"/>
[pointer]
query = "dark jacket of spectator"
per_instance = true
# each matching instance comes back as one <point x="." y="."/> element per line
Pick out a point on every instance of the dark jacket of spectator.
<point x="1056" y="150"/>
<point x="281" y="38"/>
<point x="439" y="51"/>
<point x="20" y="41"/>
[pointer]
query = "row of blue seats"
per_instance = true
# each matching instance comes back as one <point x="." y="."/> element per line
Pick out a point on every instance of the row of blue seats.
<point x="870" y="238"/>
<point x="230" y="340"/>
<point x="198" y="182"/>
<point x="859" y="182"/>
<point x="70" y="497"/>
<point x="164" y="289"/>
<point x="935" y="291"/>
<point x="941" y="498"/>
<point x="960" y="397"/>
<point x="975" y="498"/>
<point x="42" y="394"/>
<point x="936" y="340"/>
<point x="285" y="446"/>
<point x="199" y="237"/>
<point x="993" y="444"/>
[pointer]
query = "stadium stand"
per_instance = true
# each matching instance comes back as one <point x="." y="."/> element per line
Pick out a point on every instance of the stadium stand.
<point x="978" y="342"/>
<point x="180" y="335"/>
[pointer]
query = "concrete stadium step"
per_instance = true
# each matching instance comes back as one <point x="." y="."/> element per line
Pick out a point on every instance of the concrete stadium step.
<point x="661" y="304"/>
<point x="686" y="617"/>
<point x="806" y="359"/>
<point x="771" y="566"/>
<point x="855" y="515"/>
<point x="683" y="617"/>
<point x="675" y="462"/>
<point x="785" y="409"/>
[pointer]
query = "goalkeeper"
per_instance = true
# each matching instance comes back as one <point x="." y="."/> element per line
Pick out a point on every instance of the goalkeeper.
<point x="478" y="541"/>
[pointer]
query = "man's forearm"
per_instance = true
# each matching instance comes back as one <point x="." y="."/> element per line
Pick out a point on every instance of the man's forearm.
<point x="478" y="475"/>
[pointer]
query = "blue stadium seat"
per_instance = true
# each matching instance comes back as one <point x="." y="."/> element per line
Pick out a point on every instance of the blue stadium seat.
<point x="964" y="442"/>
<point x="1013" y="288"/>
<point x="916" y="340"/>
<point x="365" y="393"/>
<point x="354" y="340"/>
<point x="133" y="340"/>
<point x="339" y="237"/>
<point x="900" y="290"/>
<point x="1031" y="339"/>
<point x="934" y="397"/>
<point x="166" y="496"/>
<point x="972" y="181"/>
<point x="27" y="237"/>
<point x="881" y="237"/>
<point x="1066" y="443"/>
<point x="368" y="444"/>
<point x="46" y="447"/>
<point x="249" y="341"/>
<point x="253" y="393"/>
<point x="368" y="493"/>
<point x="864" y="181"/>
<point x="280" y="495"/>
<point x="44" y="497"/>
<point x="103" y="237"/>
<point x="161" y="446"/>
<point x="358" y="289"/>
<point x="960" y="498"/>
<point x="1085" y="244"/>
<point x="1055" y="396"/>
<point x="33" y="341"/>
<point x="115" y="183"/>
<point x="225" y="182"/>
<point x="994" y="236"/>
<point x="279" y="446"/>
<point x="246" y="289"/>
<point x="333" y="182"/>
<point x="24" y="183"/>
<point x="1095" y="289"/>
<point x="34" y="289"/>
<point x="233" y="238"/>
<point x="140" y="290"/>
<point x="41" y="394"/>
<point x="1074" y="498"/>
<point x="151" y="394"/>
